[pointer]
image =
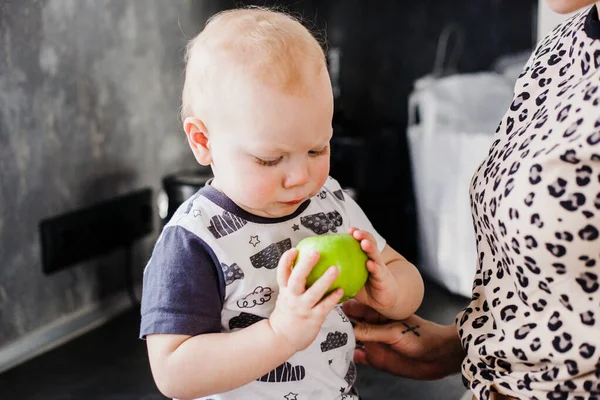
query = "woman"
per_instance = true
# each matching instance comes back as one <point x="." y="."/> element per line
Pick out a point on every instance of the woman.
<point x="532" y="329"/>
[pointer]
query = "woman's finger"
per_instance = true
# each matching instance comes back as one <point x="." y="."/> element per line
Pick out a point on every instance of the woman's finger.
<point x="388" y="359"/>
<point x="304" y="264"/>
<point x="388" y="333"/>
<point x="320" y="287"/>
<point x="357" y="311"/>
<point x="360" y="355"/>
<point x="384" y="357"/>
<point x="284" y="268"/>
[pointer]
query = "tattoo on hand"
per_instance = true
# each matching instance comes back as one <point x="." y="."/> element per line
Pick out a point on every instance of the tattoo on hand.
<point x="412" y="329"/>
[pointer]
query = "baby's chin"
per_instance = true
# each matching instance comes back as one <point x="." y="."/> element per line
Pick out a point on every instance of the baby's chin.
<point x="277" y="210"/>
<point x="567" y="6"/>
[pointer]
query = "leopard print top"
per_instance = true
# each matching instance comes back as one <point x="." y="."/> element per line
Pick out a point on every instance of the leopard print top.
<point x="532" y="329"/>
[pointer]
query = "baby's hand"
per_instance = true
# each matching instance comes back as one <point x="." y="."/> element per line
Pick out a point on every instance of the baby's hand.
<point x="381" y="290"/>
<point x="300" y="312"/>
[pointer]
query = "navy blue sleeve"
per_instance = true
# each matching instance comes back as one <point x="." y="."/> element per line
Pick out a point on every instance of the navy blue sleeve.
<point x="183" y="287"/>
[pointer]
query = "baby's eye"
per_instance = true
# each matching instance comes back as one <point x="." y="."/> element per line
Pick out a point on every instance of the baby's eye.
<point x="321" y="152"/>
<point x="268" y="163"/>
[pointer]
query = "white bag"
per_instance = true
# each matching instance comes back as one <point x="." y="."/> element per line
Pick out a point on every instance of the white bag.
<point x="451" y="124"/>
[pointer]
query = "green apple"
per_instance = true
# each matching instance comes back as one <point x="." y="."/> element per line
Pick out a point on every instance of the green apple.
<point x="341" y="250"/>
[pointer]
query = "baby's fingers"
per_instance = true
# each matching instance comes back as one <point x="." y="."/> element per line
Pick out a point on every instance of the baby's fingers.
<point x="320" y="287"/>
<point x="361" y="235"/>
<point x="374" y="269"/>
<point x="368" y="244"/>
<point x="304" y="264"/>
<point x="328" y="303"/>
<point x="284" y="268"/>
<point x="371" y="249"/>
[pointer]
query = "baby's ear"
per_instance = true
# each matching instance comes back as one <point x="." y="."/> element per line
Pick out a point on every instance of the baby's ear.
<point x="197" y="136"/>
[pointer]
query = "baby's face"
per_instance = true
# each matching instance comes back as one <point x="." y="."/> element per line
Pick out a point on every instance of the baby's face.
<point x="567" y="6"/>
<point x="272" y="152"/>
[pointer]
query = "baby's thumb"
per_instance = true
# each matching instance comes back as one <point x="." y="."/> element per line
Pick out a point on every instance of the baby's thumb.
<point x="374" y="333"/>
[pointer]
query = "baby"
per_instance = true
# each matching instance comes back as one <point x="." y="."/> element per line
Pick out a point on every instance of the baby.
<point x="223" y="313"/>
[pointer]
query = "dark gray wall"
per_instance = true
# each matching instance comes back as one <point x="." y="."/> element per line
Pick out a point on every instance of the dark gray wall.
<point x="89" y="97"/>
<point x="89" y="91"/>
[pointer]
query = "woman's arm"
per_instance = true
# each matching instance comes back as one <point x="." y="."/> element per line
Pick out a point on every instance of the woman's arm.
<point x="414" y="348"/>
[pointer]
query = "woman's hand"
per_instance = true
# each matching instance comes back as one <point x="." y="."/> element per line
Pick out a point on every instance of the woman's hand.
<point x="413" y="348"/>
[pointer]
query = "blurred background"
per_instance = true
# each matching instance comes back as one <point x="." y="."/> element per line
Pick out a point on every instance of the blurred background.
<point x="90" y="138"/>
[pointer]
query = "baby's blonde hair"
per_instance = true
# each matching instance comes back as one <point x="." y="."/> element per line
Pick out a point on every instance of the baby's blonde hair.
<point x="267" y="46"/>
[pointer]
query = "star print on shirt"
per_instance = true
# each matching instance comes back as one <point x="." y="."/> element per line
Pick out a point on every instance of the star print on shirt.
<point x="197" y="213"/>
<point x="254" y="240"/>
<point x="291" y="396"/>
<point x="342" y="390"/>
<point x="330" y="361"/>
<point x="295" y="227"/>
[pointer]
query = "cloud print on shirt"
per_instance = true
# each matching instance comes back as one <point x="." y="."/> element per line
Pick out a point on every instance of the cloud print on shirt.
<point x="351" y="374"/>
<point x="322" y="223"/>
<point x="334" y="340"/>
<point x="231" y="273"/>
<point x="258" y="297"/>
<point x="269" y="257"/>
<point x="244" y="320"/>
<point x="224" y="224"/>
<point x="284" y="373"/>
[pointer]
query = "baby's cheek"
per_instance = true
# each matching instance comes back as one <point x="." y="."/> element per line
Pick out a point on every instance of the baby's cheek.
<point x="320" y="173"/>
<point x="260" y="190"/>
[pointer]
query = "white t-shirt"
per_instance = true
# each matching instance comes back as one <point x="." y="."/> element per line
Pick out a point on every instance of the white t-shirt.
<point x="213" y="269"/>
